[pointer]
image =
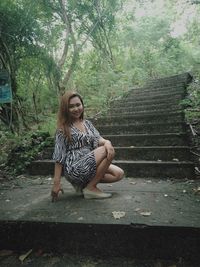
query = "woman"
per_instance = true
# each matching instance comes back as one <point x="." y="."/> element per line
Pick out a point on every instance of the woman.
<point x="83" y="155"/>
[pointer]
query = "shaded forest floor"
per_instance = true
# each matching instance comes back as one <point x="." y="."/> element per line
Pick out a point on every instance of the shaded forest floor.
<point x="41" y="259"/>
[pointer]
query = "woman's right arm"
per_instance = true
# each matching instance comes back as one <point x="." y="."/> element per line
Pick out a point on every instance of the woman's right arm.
<point x="57" y="177"/>
<point x="59" y="158"/>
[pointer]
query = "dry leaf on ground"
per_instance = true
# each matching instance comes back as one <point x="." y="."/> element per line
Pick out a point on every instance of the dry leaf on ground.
<point x="133" y="183"/>
<point x="24" y="256"/>
<point x="118" y="214"/>
<point x="196" y="190"/>
<point x="145" y="213"/>
<point x="137" y="209"/>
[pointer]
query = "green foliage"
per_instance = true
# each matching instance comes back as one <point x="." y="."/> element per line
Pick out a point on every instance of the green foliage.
<point x="192" y="109"/>
<point x="106" y="48"/>
<point x="25" y="151"/>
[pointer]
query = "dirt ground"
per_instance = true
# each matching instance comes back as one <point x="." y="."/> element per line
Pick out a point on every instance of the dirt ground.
<point x="41" y="259"/>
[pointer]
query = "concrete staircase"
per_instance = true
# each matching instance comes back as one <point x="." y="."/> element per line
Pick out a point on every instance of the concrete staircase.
<point x="148" y="130"/>
<point x="161" y="218"/>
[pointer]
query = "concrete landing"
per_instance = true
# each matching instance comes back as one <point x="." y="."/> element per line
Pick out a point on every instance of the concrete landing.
<point x="160" y="218"/>
<point x="169" y="203"/>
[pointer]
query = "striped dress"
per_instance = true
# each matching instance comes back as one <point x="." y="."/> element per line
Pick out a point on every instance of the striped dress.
<point x="77" y="156"/>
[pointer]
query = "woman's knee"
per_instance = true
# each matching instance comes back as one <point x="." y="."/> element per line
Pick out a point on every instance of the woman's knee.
<point x="120" y="174"/>
<point x="100" y="154"/>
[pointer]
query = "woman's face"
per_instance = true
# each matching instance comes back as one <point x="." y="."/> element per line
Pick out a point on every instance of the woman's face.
<point x="75" y="108"/>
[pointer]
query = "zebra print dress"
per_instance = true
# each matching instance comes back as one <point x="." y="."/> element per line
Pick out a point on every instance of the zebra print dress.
<point x="77" y="156"/>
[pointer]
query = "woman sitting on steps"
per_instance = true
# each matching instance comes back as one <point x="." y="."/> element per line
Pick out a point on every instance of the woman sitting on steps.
<point x="83" y="155"/>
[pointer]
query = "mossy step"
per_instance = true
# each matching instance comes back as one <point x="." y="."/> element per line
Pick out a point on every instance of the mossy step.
<point x="149" y="107"/>
<point x="167" y="92"/>
<point x="139" y="118"/>
<point x="124" y="111"/>
<point x="167" y="139"/>
<point x="141" y="140"/>
<point x="161" y="170"/>
<point x="145" y="102"/>
<point x="154" y="96"/>
<point x="167" y="89"/>
<point x="156" y="153"/>
<point x="142" y="128"/>
<point x="184" y="78"/>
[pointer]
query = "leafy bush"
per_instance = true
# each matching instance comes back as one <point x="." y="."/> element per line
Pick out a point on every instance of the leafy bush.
<point x="25" y="151"/>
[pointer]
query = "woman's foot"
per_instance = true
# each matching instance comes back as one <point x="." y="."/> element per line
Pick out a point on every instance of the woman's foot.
<point x="95" y="194"/>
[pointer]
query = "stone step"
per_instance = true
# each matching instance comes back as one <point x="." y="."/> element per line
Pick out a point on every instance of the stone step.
<point x="142" y="128"/>
<point x="125" y="111"/>
<point x="167" y="139"/>
<point x="155" y="96"/>
<point x="165" y="83"/>
<point x="155" y="153"/>
<point x="141" y="118"/>
<point x="163" y="170"/>
<point x="184" y="78"/>
<point x="141" y="90"/>
<point x="154" y="92"/>
<point x="154" y="169"/>
<point x="145" y="102"/>
<point x="132" y="107"/>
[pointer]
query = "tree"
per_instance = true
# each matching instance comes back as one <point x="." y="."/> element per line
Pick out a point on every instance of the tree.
<point x="82" y="21"/>
<point x="21" y="36"/>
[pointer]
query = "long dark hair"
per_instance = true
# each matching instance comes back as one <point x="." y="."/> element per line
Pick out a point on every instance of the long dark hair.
<point x="64" y="120"/>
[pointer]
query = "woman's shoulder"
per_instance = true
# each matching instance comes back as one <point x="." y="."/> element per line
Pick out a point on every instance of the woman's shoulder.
<point x="59" y="132"/>
<point x="89" y="123"/>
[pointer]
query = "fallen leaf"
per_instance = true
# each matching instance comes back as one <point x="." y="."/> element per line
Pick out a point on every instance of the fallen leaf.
<point x="145" y="213"/>
<point x="196" y="190"/>
<point x="5" y="252"/>
<point x="128" y="197"/>
<point x="133" y="183"/>
<point x="118" y="214"/>
<point x="24" y="256"/>
<point x="137" y="209"/>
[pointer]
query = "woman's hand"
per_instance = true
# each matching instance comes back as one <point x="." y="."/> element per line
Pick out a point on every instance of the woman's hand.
<point x="55" y="190"/>
<point x="110" y="150"/>
<point x="56" y="187"/>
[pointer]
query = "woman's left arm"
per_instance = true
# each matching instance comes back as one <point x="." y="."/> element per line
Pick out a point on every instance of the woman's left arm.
<point x="108" y="145"/>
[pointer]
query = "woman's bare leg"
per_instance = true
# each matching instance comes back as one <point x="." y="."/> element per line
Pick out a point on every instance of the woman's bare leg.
<point x="102" y="166"/>
<point x="113" y="174"/>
